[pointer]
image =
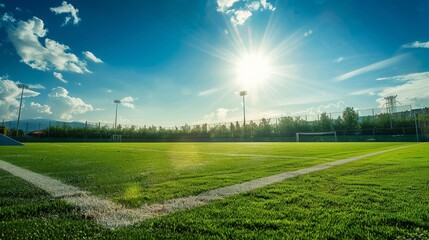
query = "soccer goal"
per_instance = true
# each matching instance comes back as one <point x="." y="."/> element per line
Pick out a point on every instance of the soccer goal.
<point x="116" y="138"/>
<point x="317" y="137"/>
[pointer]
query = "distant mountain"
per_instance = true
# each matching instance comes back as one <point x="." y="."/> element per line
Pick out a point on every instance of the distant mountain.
<point x="30" y="125"/>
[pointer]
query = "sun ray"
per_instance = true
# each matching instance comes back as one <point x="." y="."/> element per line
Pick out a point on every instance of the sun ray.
<point x="259" y="63"/>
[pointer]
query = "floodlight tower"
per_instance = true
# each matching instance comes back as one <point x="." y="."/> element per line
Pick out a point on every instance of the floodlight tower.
<point x="116" y="115"/>
<point x="391" y="104"/>
<point x="22" y="86"/>
<point x="244" y="93"/>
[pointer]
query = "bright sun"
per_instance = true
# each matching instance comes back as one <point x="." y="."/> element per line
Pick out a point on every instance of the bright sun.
<point x="253" y="70"/>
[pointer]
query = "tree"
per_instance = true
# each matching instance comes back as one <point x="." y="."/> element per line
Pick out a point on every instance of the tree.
<point x="350" y="118"/>
<point x="232" y="129"/>
<point x="286" y="126"/>
<point x="238" y="130"/>
<point x="325" y="122"/>
<point x="264" y="129"/>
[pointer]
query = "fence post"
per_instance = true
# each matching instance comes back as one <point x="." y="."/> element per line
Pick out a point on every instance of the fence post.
<point x="85" y="129"/>
<point x="277" y="128"/>
<point x="390" y="118"/>
<point x="417" y="128"/>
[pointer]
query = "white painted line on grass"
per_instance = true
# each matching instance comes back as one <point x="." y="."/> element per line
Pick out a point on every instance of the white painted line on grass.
<point x="113" y="215"/>
<point x="103" y="211"/>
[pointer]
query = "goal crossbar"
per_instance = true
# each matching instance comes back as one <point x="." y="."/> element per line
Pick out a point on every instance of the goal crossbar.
<point x="116" y="138"/>
<point x="334" y="133"/>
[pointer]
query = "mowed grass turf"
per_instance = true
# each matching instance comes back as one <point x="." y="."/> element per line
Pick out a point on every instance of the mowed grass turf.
<point x="142" y="173"/>
<point x="27" y="212"/>
<point x="380" y="197"/>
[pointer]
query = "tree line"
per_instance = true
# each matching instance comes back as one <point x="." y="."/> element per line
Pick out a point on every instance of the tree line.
<point x="285" y="127"/>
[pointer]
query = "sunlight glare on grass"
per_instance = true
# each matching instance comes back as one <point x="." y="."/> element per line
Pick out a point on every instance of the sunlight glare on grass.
<point x="132" y="192"/>
<point x="190" y="158"/>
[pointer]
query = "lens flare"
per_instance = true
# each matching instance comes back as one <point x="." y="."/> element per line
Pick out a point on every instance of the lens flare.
<point x="253" y="70"/>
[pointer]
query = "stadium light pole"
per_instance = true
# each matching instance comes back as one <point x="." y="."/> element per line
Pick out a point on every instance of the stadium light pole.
<point x="244" y="93"/>
<point x="22" y="86"/>
<point x="116" y="114"/>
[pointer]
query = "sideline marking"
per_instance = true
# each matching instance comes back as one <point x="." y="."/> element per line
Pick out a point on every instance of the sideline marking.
<point x="113" y="215"/>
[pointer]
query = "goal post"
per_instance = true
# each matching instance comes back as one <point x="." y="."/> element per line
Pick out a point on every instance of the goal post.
<point x="116" y="138"/>
<point x="317" y="134"/>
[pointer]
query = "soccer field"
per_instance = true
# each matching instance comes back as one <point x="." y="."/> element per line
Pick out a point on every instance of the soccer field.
<point x="382" y="196"/>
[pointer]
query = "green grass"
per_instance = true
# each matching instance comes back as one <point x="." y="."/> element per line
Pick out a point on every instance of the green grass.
<point x="129" y="174"/>
<point x="381" y="197"/>
<point x="27" y="212"/>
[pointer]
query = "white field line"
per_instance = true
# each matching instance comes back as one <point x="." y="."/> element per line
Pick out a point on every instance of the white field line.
<point x="224" y="154"/>
<point x="113" y="215"/>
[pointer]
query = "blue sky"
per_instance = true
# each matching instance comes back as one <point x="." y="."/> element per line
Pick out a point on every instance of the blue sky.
<point x="173" y="62"/>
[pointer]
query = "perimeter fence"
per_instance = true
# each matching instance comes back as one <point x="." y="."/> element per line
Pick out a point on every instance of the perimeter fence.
<point x="379" y="124"/>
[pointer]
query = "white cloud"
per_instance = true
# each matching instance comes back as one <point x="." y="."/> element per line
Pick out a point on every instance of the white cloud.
<point x="128" y="102"/>
<point x="312" y="112"/>
<point x="60" y="77"/>
<point x="308" y="33"/>
<point x="368" y="91"/>
<point x="25" y="38"/>
<point x="369" y="68"/>
<point x="220" y="116"/>
<point x="241" y="10"/>
<point x="412" y="89"/>
<point x="92" y="57"/>
<point x="109" y="90"/>
<point x="9" y="98"/>
<point x="254" y="6"/>
<point x="65" y="106"/>
<point x="37" y="110"/>
<point x="224" y="5"/>
<point x="208" y="92"/>
<point x="338" y="60"/>
<point x="267" y="5"/>
<point x="271" y="114"/>
<point x="416" y="44"/>
<point x="332" y="107"/>
<point x="36" y="86"/>
<point x="2" y="5"/>
<point x="8" y="18"/>
<point x="68" y="9"/>
<point x="405" y="78"/>
<point x="240" y="17"/>
<point x="208" y="118"/>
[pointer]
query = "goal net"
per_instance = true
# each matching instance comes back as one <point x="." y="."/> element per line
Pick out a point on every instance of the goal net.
<point x="317" y="137"/>
<point x="116" y="138"/>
